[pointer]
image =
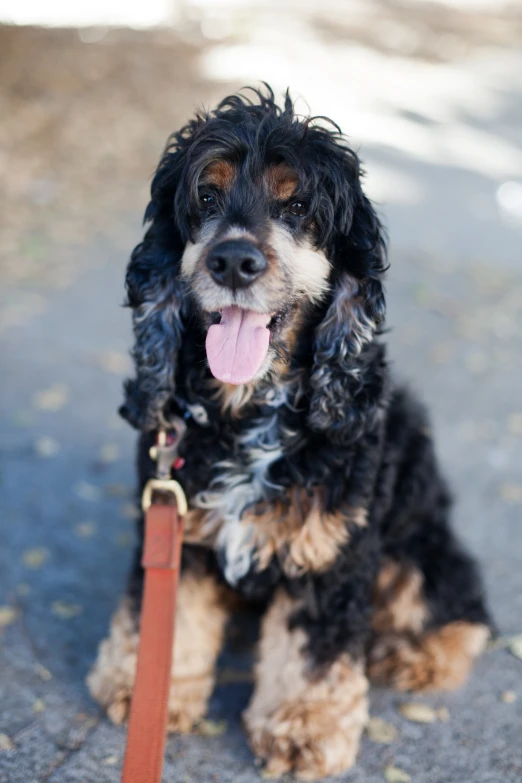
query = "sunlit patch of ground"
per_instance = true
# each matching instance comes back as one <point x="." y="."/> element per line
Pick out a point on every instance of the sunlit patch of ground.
<point x="86" y="112"/>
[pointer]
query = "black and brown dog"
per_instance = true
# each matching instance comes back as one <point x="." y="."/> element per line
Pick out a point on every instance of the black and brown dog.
<point x="257" y="298"/>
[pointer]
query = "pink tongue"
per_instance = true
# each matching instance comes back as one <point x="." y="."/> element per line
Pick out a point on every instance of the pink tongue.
<point x="236" y="347"/>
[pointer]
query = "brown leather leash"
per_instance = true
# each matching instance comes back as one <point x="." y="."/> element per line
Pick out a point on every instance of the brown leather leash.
<point x="147" y="731"/>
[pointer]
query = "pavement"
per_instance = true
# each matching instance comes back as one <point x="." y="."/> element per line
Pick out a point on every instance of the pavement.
<point x="83" y="124"/>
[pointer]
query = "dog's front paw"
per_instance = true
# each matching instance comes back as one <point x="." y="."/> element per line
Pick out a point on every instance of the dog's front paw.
<point x="311" y="739"/>
<point x="188" y="701"/>
<point x="111" y="679"/>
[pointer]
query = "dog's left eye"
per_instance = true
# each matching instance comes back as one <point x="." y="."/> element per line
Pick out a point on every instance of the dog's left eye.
<point x="298" y="208"/>
<point x="207" y="199"/>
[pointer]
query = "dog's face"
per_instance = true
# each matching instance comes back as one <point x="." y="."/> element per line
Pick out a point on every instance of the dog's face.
<point x="253" y="264"/>
<point x="259" y="230"/>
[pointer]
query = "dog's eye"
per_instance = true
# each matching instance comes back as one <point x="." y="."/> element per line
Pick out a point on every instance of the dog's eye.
<point x="298" y="208"/>
<point x="207" y="199"/>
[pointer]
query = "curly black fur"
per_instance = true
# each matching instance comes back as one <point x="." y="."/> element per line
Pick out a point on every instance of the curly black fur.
<point x="333" y="419"/>
<point x="345" y="226"/>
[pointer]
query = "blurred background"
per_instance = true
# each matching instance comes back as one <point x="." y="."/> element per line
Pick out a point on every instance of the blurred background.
<point x="430" y="94"/>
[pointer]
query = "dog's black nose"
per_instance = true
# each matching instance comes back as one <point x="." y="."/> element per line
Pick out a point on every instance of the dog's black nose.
<point x="236" y="263"/>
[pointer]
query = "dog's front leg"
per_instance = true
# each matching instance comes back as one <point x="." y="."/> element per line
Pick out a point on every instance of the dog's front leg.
<point x="200" y="619"/>
<point x="310" y="702"/>
<point x="300" y="719"/>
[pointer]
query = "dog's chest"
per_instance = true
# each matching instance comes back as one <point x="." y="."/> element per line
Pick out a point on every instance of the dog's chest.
<point x="240" y="482"/>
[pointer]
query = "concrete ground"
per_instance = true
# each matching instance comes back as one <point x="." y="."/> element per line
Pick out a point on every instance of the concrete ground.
<point x="433" y="98"/>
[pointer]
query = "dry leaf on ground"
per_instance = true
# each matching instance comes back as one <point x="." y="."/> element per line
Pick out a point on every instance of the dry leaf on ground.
<point x="417" y="712"/>
<point x="499" y="643"/>
<point x="85" y="529"/>
<point x="212" y="728"/>
<point x="6" y="743"/>
<point x="65" y="611"/>
<point x="46" y="447"/>
<point x="379" y="730"/>
<point x="52" y="399"/>
<point x="396" y="775"/>
<point x="515" y="645"/>
<point x="115" y="362"/>
<point x="508" y="697"/>
<point x="42" y="672"/>
<point x="110" y="761"/>
<point x="35" y="557"/>
<point x="38" y="705"/>
<point x="7" y="615"/>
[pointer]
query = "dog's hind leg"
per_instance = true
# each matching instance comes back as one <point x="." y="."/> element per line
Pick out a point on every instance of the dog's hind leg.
<point x="430" y="622"/>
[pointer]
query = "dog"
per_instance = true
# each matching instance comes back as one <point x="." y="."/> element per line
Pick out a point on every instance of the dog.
<point x="314" y="491"/>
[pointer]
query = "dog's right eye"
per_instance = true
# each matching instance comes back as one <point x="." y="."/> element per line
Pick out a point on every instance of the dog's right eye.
<point x="207" y="199"/>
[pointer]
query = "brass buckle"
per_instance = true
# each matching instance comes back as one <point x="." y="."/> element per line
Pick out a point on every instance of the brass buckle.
<point x="165" y="452"/>
<point x="164" y="485"/>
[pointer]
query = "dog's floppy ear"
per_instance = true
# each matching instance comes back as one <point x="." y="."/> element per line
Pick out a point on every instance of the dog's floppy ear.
<point x="347" y="379"/>
<point x="155" y="294"/>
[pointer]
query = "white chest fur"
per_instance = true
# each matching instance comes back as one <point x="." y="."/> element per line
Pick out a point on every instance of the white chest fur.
<point x="240" y="483"/>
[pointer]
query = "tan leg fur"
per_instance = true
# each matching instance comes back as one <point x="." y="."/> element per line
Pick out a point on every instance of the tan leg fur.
<point x="200" y="621"/>
<point x="437" y="660"/>
<point x="406" y="656"/>
<point x="295" y="721"/>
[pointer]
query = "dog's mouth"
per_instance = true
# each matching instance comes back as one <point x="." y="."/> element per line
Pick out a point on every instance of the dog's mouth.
<point x="237" y="342"/>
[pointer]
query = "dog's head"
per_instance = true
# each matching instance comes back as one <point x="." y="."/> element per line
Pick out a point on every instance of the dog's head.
<point x="259" y="227"/>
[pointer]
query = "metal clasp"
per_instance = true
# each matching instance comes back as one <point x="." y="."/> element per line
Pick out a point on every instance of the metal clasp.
<point x="165" y="452"/>
<point x="166" y="449"/>
<point x="164" y="485"/>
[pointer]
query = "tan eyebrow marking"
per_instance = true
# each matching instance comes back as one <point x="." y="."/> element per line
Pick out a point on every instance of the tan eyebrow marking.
<point x="282" y="181"/>
<point x="221" y="174"/>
